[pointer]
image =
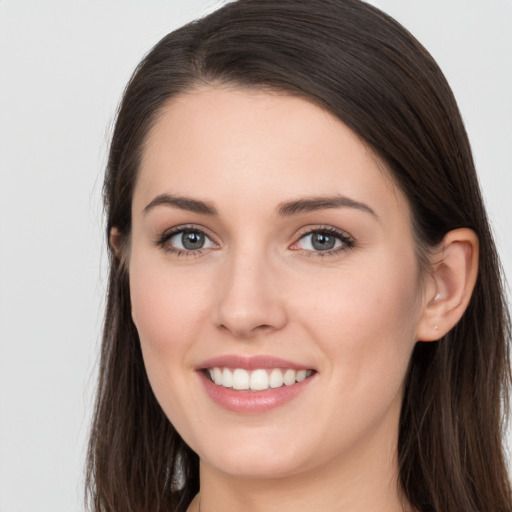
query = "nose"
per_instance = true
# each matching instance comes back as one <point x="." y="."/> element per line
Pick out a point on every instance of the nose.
<point x="251" y="300"/>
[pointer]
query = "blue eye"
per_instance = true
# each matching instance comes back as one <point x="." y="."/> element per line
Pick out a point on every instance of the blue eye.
<point x="324" y="240"/>
<point x="185" y="240"/>
<point x="189" y="240"/>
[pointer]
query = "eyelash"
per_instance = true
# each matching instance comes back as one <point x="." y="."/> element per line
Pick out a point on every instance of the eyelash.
<point x="163" y="241"/>
<point x="347" y="242"/>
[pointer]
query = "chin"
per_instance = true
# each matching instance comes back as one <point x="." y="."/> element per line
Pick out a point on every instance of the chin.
<point x="254" y="467"/>
<point x="257" y="455"/>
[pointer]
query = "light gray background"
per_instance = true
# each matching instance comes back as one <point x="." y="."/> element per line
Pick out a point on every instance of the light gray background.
<point x="63" y="66"/>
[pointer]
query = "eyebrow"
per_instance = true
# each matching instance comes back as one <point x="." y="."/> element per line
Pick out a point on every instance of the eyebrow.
<point x="287" y="209"/>
<point x="311" y="204"/>
<point x="183" y="203"/>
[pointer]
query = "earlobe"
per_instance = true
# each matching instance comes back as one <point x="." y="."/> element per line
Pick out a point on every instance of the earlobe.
<point x="453" y="278"/>
<point x="115" y="242"/>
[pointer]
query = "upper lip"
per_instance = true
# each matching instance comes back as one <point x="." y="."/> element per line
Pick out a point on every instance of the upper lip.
<point x="250" y="362"/>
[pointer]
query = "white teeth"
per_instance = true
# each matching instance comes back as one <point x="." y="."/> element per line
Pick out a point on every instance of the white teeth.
<point x="259" y="380"/>
<point x="289" y="377"/>
<point x="227" y="378"/>
<point x="301" y="375"/>
<point x="217" y="376"/>
<point x="256" y="380"/>
<point x="240" y="379"/>
<point x="276" y="378"/>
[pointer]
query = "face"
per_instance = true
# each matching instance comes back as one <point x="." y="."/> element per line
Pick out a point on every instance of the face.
<point x="274" y="283"/>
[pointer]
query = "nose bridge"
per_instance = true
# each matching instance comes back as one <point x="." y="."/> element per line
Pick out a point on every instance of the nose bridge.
<point x="249" y="300"/>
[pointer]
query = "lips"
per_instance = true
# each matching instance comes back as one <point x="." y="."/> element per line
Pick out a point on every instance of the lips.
<point x="253" y="384"/>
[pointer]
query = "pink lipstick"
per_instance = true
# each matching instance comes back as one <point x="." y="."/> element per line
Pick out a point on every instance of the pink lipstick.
<point x="253" y="384"/>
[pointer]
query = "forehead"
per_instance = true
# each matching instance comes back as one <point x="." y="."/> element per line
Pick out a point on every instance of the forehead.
<point x="233" y="144"/>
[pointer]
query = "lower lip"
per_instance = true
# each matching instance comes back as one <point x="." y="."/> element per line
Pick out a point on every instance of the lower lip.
<point x="252" y="401"/>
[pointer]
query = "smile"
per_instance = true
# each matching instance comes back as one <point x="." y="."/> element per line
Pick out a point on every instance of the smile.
<point x="259" y="379"/>
<point x="254" y="384"/>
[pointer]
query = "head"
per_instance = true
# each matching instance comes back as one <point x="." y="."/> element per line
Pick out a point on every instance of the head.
<point x="395" y="105"/>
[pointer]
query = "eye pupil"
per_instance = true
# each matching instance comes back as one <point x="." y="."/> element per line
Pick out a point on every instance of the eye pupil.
<point x="323" y="242"/>
<point x="192" y="240"/>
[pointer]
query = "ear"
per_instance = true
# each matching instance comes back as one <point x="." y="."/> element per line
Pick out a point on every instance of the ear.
<point x="449" y="287"/>
<point x="119" y="246"/>
<point x="115" y="242"/>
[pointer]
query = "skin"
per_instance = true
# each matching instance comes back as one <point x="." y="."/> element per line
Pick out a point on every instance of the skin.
<point x="259" y="287"/>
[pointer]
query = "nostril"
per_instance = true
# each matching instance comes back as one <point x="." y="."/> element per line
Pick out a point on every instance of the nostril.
<point x="247" y="330"/>
<point x="249" y="300"/>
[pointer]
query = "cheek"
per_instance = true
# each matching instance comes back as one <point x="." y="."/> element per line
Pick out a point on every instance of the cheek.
<point x="164" y="307"/>
<point x="365" y="318"/>
<point x="153" y="308"/>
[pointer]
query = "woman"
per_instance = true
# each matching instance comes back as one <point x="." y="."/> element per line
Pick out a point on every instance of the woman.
<point x="304" y="302"/>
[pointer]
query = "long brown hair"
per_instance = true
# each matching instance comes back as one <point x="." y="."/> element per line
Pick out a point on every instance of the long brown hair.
<point x="362" y="66"/>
